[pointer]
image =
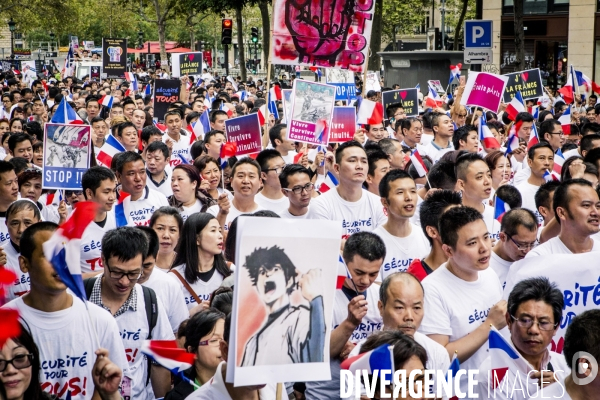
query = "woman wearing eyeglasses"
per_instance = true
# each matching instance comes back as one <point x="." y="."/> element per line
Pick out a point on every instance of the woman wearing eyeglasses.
<point x="203" y="334"/>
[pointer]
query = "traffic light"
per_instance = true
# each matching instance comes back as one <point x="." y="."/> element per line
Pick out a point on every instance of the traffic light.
<point x="254" y="35"/>
<point x="226" y="31"/>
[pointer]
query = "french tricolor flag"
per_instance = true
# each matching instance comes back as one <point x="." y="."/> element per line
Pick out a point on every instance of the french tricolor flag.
<point x="242" y="95"/>
<point x="262" y="114"/>
<point x="486" y="136"/>
<point x="199" y="128"/>
<point x="122" y="209"/>
<point x="567" y="90"/>
<point x="148" y="90"/>
<point x="433" y="99"/>
<point x="54" y="199"/>
<point x="454" y="72"/>
<point x="66" y="115"/>
<point x="275" y="93"/>
<point x="161" y="127"/>
<point x="503" y="357"/>
<point x="453" y="371"/>
<point x="63" y="248"/>
<point x="381" y="358"/>
<point x="549" y="176"/>
<point x="273" y="109"/>
<point x="513" y="141"/>
<point x="167" y="354"/>
<point x="130" y="76"/>
<point x="515" y="106"/>
<point x="109" y="149"/>
<point x="533" y="136"/>
<point x="228" y="150"/>
<point x="342" y="274"/>
<point x="183" y="159"/>
<point x="565" y="121"/>
<point x="370" y="112"/>
<point x="106" y="101"/>
<point x="418" y="163"/>
<point x="559" y="160"/>
<point x="223" y="107"/>
<point x="329" y="183"/>
<point x="500" y="208"/>
<point x="583" y="80"/>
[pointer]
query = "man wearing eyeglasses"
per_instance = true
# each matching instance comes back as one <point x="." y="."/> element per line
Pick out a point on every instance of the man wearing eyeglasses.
<point x="518" y="235"/>
<point x="271" y="197"/>
<point x="534" y="310"/>
<point x="117" y="291"/>
<point x="298" y="189"/>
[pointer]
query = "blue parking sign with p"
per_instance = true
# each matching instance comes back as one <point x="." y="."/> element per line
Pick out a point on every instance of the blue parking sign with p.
<point x="478" y="34"/>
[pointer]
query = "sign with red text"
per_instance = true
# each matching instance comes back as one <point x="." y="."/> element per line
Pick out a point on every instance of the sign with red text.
<point x="166" y="92"/>
<point x="329" y="33"/>
<point x="245" y="133"/>
<point x="343" y="124"/>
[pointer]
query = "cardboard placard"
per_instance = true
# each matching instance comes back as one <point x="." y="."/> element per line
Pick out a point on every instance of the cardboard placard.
<point x="312" y="111"/>
<point x="528" y="82"/>
<point x="66" y="155"/>
<point x="408" y="97"/>
<point x="245" y="133"/>
<point x="114" y="58"/>
<point x="166" y="92"/>
<point x="343" y="124"/>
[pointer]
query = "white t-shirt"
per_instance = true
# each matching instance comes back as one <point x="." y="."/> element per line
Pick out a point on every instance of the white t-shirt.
<point x="203" y="289"/>
<point x="571" y="153"/>
<point x="455" y="308"/>
<point x="433" y="152"/>
<point x="187" y="211"/>
<point x="400" y="251"/>
<point x="363" y="215"/>
<point x="21" y="284"/>
<point x="233" y="213"/>
<point x="371" y="323"/>
<point x="67" y="344"/>
<point x="182" y="146"/>
<point x="4" y="236"/>
<point x="500" y="267"/>
<point x="286" y="214"/>
<point x="488" y="218"/>
<point x="528" y="192"/>
<point x="168" y="290"/>
<point x="143" y="208"/>
<point x="163" y="187"/>
<point x="416" y="218"/>
<point x="556" y="391"/>
<point x="289" y="159"/>
<point x="277" y="206"/>
<point x="133" y="329"/>
<point x="555" y="246"/>
<point x="215" y="389"/>
<point x="91" y="244"/>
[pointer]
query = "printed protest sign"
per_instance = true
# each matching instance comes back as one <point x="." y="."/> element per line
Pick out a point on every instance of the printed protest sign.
<point x="343" y="124"/>
<point x="186" y="64"/>
<point x="484" y="89"/>
<point x="528" y="82"/>
<point x="270" y="344"/>
<point x="343" y="80"/>
<point x="408" y="97"/>
<point x="372" y="82"/>
<point x="66" y="155"/>
<point x="312" y="110"/>
<point x="437" y="85"/>
<point x="578" y="283"/>
<point x="245" y="133"/>
<point x="334" y="33"/>
<point x="166" y="92"/>
<point x="114" y="57"/>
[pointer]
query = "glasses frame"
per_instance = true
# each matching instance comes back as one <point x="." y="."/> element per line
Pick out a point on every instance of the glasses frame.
<point x="28" y="356"/>
<point x="519" y="322"/>
<point x="309" y="187"/>
<point x="275" y="169"/>
<point x="110" y="274"/>
<point x="520" y="246"/>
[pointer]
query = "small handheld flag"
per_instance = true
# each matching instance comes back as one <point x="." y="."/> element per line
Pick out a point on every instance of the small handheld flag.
<point x="329" y="183"/>
<point x="381" y="358"/>
<point x="500" y="208"/>
<point x="228" y="150"/>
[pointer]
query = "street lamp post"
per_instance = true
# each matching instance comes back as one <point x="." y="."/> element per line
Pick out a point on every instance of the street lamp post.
<point x="12" y="26"/>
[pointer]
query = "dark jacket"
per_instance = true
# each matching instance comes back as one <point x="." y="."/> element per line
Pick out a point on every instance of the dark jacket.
<point x="182" y="388"/>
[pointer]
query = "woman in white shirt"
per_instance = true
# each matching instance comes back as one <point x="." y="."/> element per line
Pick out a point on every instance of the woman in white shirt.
<point x="168" y="224"/>
<point x="211" y="174"/>
<point x="187" y="197"/>
<point x="199" y="264"/>
<point x="499" y="167"/>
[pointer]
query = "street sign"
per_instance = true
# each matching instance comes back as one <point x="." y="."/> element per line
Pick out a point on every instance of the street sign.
<point x="478" y="56"/>
<point x="478" y="34"/>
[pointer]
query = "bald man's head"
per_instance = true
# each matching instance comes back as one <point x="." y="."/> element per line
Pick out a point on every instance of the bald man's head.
<point x="401" y="302"/>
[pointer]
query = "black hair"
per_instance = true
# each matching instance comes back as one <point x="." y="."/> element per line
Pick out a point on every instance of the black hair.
<point x="561" y="196"/>
<point x="127" y="157"/>
<point x="212" y="133"/>
<point x="366" y="245"/>
<point x="122" y="126"/>
<point x="265" y="156"/>
<point x="289" y="170"/>
<point x="149" y="131"/>
<point x="230" y="241"/>
<point x="540" y="145"/>
<point x="200" y="325"/>
<point x="403" y="276"/>
<point x="461" y="134"/>
<point x="442" y="175"/>
<point x="112" y="244"/>
<point x="433" y="207"/>
<point x="270" y="258"/>
<point x="27" y="243"/>
<point x="524" y="117"/>
<point x="167" y="211"/>
<point x="187" y="248"/>
<point x="518" y="217"/>
<point x="373" y="157"/>
<point x="34" y="129"/>
<point x="20" y="164"/>
<point x="215" y="113"/>
<point x="463" y="162"/>
<point x="246" y="160"/>
<point x="93" y="177"/>
<point x="21" y="205"/>
<point x="153" y="243"/>
<point x="537" y="289"/>
<point x="222" y="299"/>
<point x="546" y="127"/>
<point x="25" y="339"/>
<point x="344" y="146"/>
<point x="172" y="112"/>
<point x="158" y="146"/>
<point x="542" y="196"/>
<point x="592" y="127"/>
<point x="565" y="172"/>
<point x="275" y="133"/>
<point x="393" y="175"/>
<point x="455" y="219"/>
<point x="583" y="334"/>
<point x="510" y="195"/>
<point x="17" y="138"/>
<point x="592" y="156"/>
<point x="197" y="149"/>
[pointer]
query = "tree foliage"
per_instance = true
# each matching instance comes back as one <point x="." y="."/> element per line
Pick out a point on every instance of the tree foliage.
<point x="405" y="15"/>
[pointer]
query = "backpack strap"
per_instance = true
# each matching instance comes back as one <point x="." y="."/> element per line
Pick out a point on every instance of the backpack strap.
<point x="186" y="285"/>
<point x="152" y="316"/>
<point x="88" y="284"/>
